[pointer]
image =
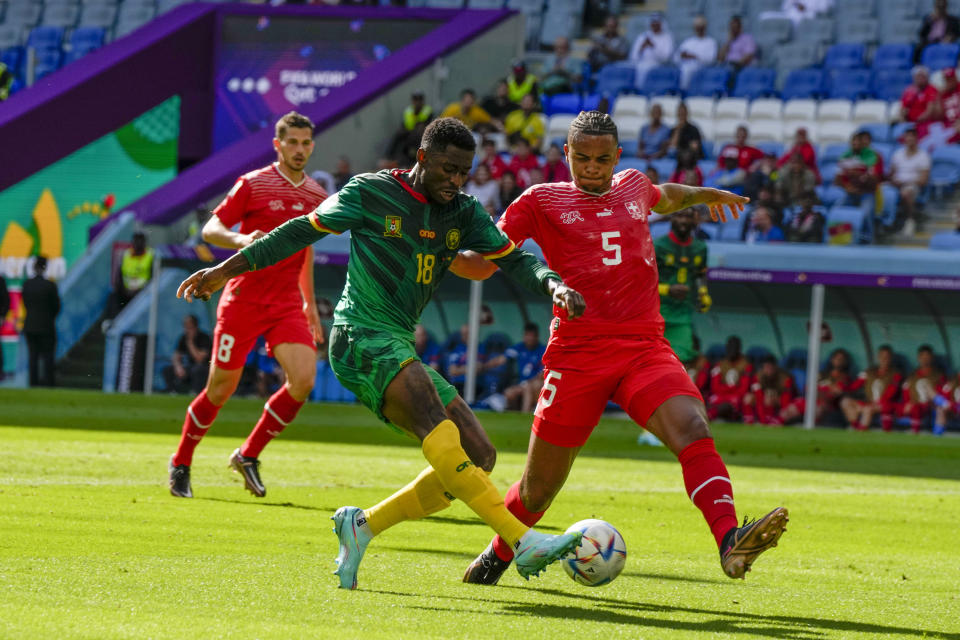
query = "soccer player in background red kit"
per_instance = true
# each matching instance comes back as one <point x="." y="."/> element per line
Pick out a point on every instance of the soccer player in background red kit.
<point x="277" y="302"/>
<point x="593" y="231"/>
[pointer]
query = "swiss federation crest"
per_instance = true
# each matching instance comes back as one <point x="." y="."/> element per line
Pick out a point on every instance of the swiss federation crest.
<point x="569" y="217"/>
<point x="453" y="239"/>
<point x="635" y="211"/>
<point x="392" y="227"/>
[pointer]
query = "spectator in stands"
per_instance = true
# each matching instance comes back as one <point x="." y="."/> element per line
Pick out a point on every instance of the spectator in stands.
<point x="696" y="52"/>
<point x="563" y="70"/>
<point x="874" y="392"/>
<point x="492" y="159"/>
<point x="526" y="123"/>
<point x="188" y="368"/>
<point x="762" y="174"/>
<point x="609" y="46"/>
<point x="416" y="116"/>
<point x="136" y="269"/>
<point x="910" y="172"/>
<point x="652" y="174"/>
<point x="527" y="356"/>
<point x="938" y="27"/>
<point x="795" y="181"/>
<point x="555" y="169"/>
<point x="730" y="380"/>
<point x="6" y="81"/>
<point x="920" y="388"/>
<point x="773" y="397"/>
<point x="947" y="402"/>
<point x="833" y="385"/>
<point x="509" y="189"/>
<point x="522" y="163"/>
<point x="920" y="102"/>
<point x="654" y="136"/>
<point x="740" y="48"/>
<point x="652" y="48"/>
<point x="801" y="145"/>
<point x="727" y="175"/>
<point x="499" y="105"/>
<point x="860" y="170"/>
<point x="484" y="189"/>
<point x="4" y="310"/>
<point x="746" y="154"/>
<point x="807" y="224"/>
<point x="536" y="176"/>
<point x="426" y="348"/>
<point x="42" y="303"/>
<point x="687" y="171"/>
<point x="685" y="134"/>
<point x="520" y="83"/>
<point x="766" y="196"/>
<point x="469" y="112"/>
<point x="762" y="228"/>
<point x="342" y="173"/>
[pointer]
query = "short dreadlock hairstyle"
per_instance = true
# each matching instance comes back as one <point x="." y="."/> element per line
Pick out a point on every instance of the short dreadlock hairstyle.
<point x="593" y="123"/>
<point x="443" y="132"/>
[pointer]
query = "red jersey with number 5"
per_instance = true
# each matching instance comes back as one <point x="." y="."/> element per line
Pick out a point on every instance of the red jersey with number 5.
<point x="601" y="246"/>
<point x="263" y="200"/>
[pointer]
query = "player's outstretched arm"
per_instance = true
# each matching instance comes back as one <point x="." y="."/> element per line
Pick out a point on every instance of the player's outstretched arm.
<point x="471" y="265"/>
<point x="524" y="268"/>
<point x="281" y="243"/>
<point x="206" y="282"/>
<point x="674" y="197"/>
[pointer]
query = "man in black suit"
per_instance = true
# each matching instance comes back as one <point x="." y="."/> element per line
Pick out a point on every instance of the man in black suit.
<point x="42" y="302"/>
<point x="4" y="309"/>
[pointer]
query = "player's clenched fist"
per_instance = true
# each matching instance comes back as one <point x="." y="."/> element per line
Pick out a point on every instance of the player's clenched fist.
<point x="202" y="284"/>
<point x="566" y="298"/>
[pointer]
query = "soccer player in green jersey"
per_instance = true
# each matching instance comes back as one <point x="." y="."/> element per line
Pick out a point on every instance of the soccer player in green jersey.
<point x="406" y="229"/>
<point x="682" y="265"/>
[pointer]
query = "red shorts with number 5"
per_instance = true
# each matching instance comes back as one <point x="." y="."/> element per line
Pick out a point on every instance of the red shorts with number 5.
<point x="581" y="375"/>
<point x="239" y="324"/>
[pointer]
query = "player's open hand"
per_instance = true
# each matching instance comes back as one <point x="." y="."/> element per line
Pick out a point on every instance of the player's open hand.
<point x="313" y="321"/>
<point x="566" y="298"/>
<point x="731" y="201"/>
<point x="202" y="284"/>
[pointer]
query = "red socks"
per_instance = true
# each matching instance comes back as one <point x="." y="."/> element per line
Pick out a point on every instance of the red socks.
<point x="278" y="412"/>
<point x="708" y="485"/>
<point x="200" y="415"/>
<point x="515" y="506"/>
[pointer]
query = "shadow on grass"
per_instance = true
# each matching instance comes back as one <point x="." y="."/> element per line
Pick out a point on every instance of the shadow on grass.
<point x="641" y="615"/>
<point x="288" y="505"/>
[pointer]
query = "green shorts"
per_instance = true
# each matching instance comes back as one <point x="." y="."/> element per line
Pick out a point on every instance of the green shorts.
<point x="680" y="337"/>
<point x="365" y="361"/>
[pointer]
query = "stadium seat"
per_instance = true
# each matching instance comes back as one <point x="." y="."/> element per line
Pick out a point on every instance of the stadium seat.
<point x="828" y="171"/>
<point x="24" y="16"/>
<point x="771" y="31"/>
<point x="591" y="102"/>
<point x="629" y="147"/>
<point x="891" y="202"/>
<point x="940" y="56"/>
<point x="558" y="22"/>
<point x="48" y="61"/>
<point x="879" y="131"/>
<point x="834" y="109"/>
<point x="864" y="31"/>
<point x="98" y="15"/>
<point x="755" y="82"/>
<point x="829" y="194"/>
<point x="893" y="55"/>
<point x="897" y="130"/>
<point x="819" y="31"/>
<point x="888" y="84"/>
<point x="558" y="125"/>
<point x="46" y="37"/>
<point x="766" y="109"/>
<point x="844" y="55"/>
<point x="766" y="131"/>
<point x="853" y="216"/>
<point x="947" y="153"/>
<point x="633" y="163"/>
<point x="799" y="110"/>
<point x="885" y="149"/>
<point x="562" y="103"/>
<point x="661" y="80"/>
<point x="831" y="152"/>
<point x="626" y="105"/>
<point x="664" y="167"/>
<point x="903" y="30"/>
<point x="850" y="84"/>
<point x="732" y="230"/>
<point x="709" y="81"/>
<point x="870" y="111"/>
<point x="945" y="241"/>
<point x="725" y="129"/>
<point x="61" y="15"/>
<point x="835" y="131"/>
<point x="700" y="108"/>
<point x="669" y="106"/>
<point x="756" y="353"/>
<point x="706" y="135"/>
<point x="803" y="83"/>
<point x="629" y="127"/>
<point x="796" y="55"/>
<point x="484" y="4"/>
<point x="10" y="36"/>
<point x="735" y="108"/>
<point x="13" y="58"/>
<point x="615" y="78"/>
<point x="83" y="41"/>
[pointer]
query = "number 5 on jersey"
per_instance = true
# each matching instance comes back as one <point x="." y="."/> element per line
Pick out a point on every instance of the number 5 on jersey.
<point x="609" y="246"/>
<point x="549" y="391"/>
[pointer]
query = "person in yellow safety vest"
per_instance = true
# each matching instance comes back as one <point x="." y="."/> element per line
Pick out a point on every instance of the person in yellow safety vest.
<point x="136" y="269"/>
<point x="521" y="83"/>
<point x="406" y="140"/>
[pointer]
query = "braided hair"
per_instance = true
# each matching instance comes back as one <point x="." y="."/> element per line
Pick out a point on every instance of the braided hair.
<point x="593" y="123"/>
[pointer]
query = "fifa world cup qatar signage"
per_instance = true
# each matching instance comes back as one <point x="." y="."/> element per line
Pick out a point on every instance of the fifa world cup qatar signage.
<point x="266" y="67"/>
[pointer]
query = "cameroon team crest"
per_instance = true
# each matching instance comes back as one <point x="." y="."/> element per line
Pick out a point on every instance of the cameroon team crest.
<point x="453" y="239"/>
<point x="392" y="224"/>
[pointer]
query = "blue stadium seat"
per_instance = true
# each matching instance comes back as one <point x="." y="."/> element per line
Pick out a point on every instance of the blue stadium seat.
<point x="891" y="202"/>
<point x="852" y="215"/>
<point x="615" y="78"/>
<point x="832" y="152"/>
<point x="10" y="36"/>
<point x="947" y="153"/>
<point x="591" y="102"/>
<point x="732" y="230"/>
<point x="756" y="353"/>
<point x="944" y="177"/>
<point x="629" y="147"/>
<point x="828" y="171"/>
<point x="940" y="56"/>
<point x="770" y="148"/>
<point x="850" y="84"/>
<point x="879" y="131"/>
<point x="46" y="37"/>
<point x="562" y="103"/>
<point x="664" y="167"/>
<point x="631" y="162"/>
<point x="844" y="55"/>
<point x="88" y="38"/>
<point x="710" y="82"/>
<point x="894" y="55"/>
<point x="661" y="81"/>
<point x="888" y="84"/>
<point x="48" y="61"/>
<point x="885" y="149"/>
<point x="13" y="58"/>
<point x="946" y="240"/>
<point x="897" y="130"/>
<point x="755" y="82"/>
<point x="829" y="194"/>
<point x="803" y="83"/>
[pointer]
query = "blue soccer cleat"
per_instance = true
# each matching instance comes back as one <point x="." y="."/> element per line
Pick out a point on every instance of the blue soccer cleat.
<point x="353" y="542"/>
<point x="537" y="550"/>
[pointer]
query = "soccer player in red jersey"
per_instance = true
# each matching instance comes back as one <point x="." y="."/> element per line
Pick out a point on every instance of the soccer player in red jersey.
<point x="593" y="231"/>
<point x="276" y="302"/>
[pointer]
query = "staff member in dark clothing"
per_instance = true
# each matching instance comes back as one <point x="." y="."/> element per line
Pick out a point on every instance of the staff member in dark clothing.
<point x="42" y="302"/>
<point x="4" y="309"/>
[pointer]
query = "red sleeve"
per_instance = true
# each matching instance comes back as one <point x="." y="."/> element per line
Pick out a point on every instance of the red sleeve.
<point x="892" y="389"/>
<point x="745" y="380"/>
<point x="857" y="384"/>
<point x="232" y="209"/>
<point x="652" y="193"/>
<point x="519" y="221"/>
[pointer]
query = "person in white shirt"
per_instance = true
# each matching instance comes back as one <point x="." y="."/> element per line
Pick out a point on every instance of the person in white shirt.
<point x="484" y="189"/>
<point x="909" y="172"/>
<point x="695" y="52"/>
<point x="652" y="48"/>
<point x="800" y="10"/>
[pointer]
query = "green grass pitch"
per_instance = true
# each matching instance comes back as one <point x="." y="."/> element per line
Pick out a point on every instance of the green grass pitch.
<point x="93" y="546"/>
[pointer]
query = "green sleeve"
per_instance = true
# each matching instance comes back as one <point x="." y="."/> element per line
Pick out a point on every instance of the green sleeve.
<point x="481" y="235"/>
<point x="282" y="242"/>
<point x="523" y="267"/>
<point x="341" y="211"/>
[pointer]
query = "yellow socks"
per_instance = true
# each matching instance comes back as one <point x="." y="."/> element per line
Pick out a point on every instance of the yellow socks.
<point x="465" y="481"/>
<point x="419" y="499"/>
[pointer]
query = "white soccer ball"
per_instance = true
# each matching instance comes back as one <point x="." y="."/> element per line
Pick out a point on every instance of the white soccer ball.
<point x="599" y="558"/>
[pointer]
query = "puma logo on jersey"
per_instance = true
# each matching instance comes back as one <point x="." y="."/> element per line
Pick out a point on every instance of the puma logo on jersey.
<point x="635" y="211"/>
<point x="297" y="207"/>
<point x="570" y="217"/>
<point x="605" y="212"/>
<point x="724" y="498"/>
<point x="277" y="205"/>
